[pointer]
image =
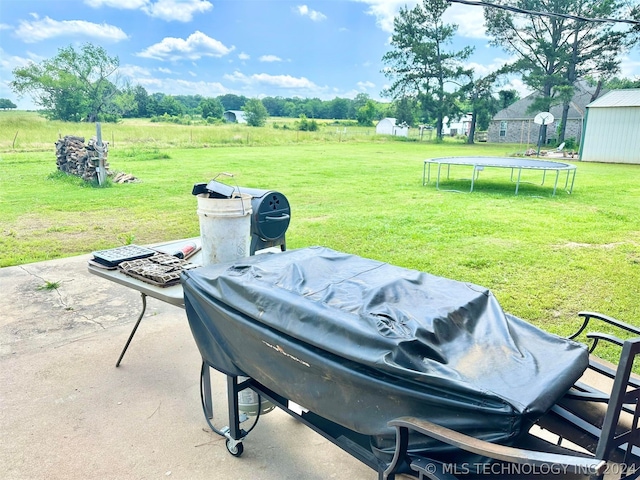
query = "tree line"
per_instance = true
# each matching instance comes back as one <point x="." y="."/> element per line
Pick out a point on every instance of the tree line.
<point x="81" y="84"/>
<point x="554" y="44"/>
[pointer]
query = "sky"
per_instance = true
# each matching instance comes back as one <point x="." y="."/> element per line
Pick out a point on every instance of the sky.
<point x="255" y="48"/>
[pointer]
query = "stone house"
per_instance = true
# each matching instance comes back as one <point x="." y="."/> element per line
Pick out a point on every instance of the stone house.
<point x="514" y="125"/>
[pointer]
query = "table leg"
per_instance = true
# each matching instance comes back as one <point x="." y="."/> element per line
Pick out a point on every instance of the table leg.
<point x="135" y="327"/>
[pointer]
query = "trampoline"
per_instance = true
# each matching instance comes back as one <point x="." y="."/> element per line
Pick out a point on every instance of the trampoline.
<point x="515" y="164"/>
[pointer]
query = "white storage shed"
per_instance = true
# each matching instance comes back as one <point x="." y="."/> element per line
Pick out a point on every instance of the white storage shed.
<point x="387" y="126"/>
<point x="612" y="128"/>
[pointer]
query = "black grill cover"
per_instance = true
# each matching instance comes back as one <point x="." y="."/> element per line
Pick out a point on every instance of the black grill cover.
<point x="362" y="342"/>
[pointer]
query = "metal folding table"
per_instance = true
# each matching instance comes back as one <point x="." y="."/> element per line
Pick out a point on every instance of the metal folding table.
<point x="172" y="295"/>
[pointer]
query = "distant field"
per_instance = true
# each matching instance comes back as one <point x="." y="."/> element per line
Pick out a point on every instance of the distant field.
<point x="27" y="131"/>
<point x="544" y="257"/>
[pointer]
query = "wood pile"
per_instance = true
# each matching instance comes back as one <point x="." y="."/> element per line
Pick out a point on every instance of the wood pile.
<point x="122" y="177"/>
<point x="76" y="158"/>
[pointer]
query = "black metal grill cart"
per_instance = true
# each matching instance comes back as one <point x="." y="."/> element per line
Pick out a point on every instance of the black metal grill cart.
<point x="406" y="371"/>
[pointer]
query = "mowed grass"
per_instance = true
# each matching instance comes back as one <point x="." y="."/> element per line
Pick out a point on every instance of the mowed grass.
<point x="544" y="257"/>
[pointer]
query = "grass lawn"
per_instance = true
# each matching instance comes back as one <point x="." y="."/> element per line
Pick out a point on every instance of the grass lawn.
<point x="544" y="257"/>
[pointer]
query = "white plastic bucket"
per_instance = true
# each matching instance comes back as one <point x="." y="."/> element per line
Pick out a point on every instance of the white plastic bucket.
<point x="225" y="228"/>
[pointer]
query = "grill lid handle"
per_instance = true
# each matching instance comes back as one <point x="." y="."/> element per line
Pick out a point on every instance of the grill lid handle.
<point x="281" y="218"/>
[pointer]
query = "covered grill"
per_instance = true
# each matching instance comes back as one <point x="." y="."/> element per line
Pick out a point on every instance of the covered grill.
<point x="361" y="342"/>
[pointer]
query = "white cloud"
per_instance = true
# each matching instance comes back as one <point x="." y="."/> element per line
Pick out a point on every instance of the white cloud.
<point x="7" y="64"/>
<point x="38" y="30"/>
<point x="180" y="10"/>
<point x="629" y="68"/>
<point x="365" y="85"/>
<point x="314" y="15"/>
<point x="169" y="10"/>
<point x="518" y="85"/>
<point x="164" y="70"/>
<point x="243" y="56"/>
<point x="171" y="86"/>
<point x="133" y="71"/>
<point x="193" y="74"/>
<point x="470" y="19"/>
<point x="386" y="10"/>
<point x="121" y="4"/>
<point x="4" y="26"/>
<point x="279" y="81"/>
<point x="196" y="46"/>
<point x="270" y="58"/>
<point x="10" y="62"/>
<point x="483" y="69"/>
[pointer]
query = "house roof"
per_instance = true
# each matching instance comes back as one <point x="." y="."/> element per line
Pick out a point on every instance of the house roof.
<point x="580" y="100"/>
<point x="627" y="97"/>
<point x="389" y="119"/>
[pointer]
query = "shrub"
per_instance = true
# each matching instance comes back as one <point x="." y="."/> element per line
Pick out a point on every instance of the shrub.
<point x="306" y="125"/>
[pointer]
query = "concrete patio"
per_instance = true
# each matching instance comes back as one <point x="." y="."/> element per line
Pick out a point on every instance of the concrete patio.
<point x="67" y="413"/>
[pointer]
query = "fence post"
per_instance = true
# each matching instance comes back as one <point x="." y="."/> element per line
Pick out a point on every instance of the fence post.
<point x="99" y="148"/>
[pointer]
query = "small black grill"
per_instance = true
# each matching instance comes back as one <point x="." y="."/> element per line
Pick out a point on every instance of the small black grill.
<point x="270" y="216"/>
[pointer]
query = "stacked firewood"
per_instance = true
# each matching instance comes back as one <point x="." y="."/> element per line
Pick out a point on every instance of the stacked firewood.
<point x="76" y="158"/>
<point x="122" y="177"/>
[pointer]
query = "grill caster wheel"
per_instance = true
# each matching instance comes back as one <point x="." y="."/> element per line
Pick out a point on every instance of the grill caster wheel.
<point x="235" y="450"/>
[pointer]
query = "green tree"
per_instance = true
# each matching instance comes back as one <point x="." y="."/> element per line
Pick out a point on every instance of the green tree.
<point x="211" y="108"/>
<point x="339" y="108"/>
<point x="232" y="102"/>
<point x="124" y="103"/>
<point x="255" y="112"/>
<point x="141" y="98"/>
<point x="73" y="85"/>
<point x="6" y="103"/>
<point x="554" y="52"/>
<point x="507" y="97"/>
<point x="481" y="102"/>
<point x="536" y="41"/>
<point x="290" y="109"/>
<point x="405" y="111"/>
<point x="275" y="106"/>
<point x="617" y="83"/>
<point x="419" y="64"/>
<point x="594" y="49"/>
<point x="367" y="113"/>
<point x="357" y="103"/>
<point x="169" y="105"/>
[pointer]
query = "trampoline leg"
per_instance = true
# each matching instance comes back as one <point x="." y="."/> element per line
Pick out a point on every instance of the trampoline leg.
<point x="473" y="178"/>
<point x="572" y="180"/>
<point x="518" y="182"/>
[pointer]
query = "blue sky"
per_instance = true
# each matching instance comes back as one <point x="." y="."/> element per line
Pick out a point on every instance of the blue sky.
<point x="255" y="48"/>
